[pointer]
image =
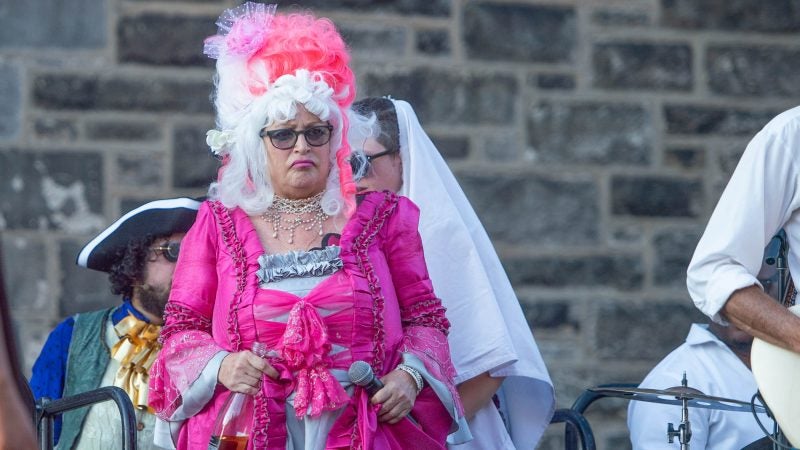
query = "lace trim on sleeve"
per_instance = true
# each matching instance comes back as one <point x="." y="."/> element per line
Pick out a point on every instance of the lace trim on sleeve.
<point x="181" y="318"/>
<point x="429" y="313"/>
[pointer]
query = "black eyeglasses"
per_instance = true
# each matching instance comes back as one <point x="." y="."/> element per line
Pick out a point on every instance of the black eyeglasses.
<point x="286" y="138"/>
<point x="361" y="162"/>
<point x="170" y="251"/>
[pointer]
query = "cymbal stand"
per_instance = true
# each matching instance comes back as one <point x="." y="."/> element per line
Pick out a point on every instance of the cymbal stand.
<point x="684" y="431"/>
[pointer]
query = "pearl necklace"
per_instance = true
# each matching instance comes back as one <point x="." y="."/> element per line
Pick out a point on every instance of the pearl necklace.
<point x="297" y="208"/>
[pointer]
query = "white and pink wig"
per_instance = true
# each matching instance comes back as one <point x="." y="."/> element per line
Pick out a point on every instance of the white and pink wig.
<point x="267" y="64"/>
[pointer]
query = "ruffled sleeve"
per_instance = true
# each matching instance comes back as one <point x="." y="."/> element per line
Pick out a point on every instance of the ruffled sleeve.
<point x="188" y="345"/>
<point x="406" y="260"/>
<point x="425" y="325"/>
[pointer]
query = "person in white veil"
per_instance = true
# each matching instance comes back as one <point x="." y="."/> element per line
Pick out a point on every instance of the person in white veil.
<point x="491" y="343"/>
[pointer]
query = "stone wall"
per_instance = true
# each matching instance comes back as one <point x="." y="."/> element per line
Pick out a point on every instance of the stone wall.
<point x="593" y="138"/>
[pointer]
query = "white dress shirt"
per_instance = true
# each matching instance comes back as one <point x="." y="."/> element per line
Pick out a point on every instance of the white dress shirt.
<point x="714" y="369"/>
<point x="761" y="197"/>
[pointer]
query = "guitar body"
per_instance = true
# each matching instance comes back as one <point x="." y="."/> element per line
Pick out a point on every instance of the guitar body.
<point x="777" y="374"/>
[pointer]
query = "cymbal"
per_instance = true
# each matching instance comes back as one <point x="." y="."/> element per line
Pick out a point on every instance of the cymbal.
<point x="676" y="395"/>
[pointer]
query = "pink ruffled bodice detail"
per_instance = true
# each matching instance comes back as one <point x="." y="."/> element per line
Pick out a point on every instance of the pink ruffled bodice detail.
<point x="305" y="340"/>
<point x="379" y="306"/>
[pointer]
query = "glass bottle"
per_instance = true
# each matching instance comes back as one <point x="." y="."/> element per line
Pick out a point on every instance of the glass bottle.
<point x="233" y="425"/>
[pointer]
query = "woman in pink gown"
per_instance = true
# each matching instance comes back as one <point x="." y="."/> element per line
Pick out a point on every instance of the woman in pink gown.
<point x="284" y="254"/>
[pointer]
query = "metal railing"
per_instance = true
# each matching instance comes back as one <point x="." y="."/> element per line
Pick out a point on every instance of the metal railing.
<point x="575" y="425"/>
<point x="47" y="409"/>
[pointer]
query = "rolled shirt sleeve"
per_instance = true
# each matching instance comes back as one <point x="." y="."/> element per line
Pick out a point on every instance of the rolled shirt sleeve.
<point x="760" y="199"/>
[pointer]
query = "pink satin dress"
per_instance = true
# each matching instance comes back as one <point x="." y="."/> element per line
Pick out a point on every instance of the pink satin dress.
<point x="377" y="308"/>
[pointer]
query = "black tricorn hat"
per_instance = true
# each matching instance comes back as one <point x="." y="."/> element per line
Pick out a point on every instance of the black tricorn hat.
<point x="157" y="218"/>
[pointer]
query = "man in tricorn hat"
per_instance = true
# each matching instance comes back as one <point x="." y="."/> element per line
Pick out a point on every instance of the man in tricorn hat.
<point x="116" y="346"/>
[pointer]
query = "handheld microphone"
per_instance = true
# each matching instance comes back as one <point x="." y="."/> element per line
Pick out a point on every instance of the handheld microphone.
<point x="360" y="373"/>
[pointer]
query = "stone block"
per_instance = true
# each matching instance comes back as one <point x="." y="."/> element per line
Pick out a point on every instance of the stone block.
<point x="626" y="233"/>
<point x="376" y="43"/>
<point x="774" y="16"/>
<point x="193" y="164"/>
<point x="672" y="251"/>
<point x="115" y="130"/>
<point x="140" y="171"/>
<point x="82" y="289"/>
<point x="709" y="120"/>
<point x="10" y="92"/>
<point x="656" y="196"/>
<point x="57" y="91"/>
<point x="518" y="32"/>
<point x="549" y="315"/>
<point x="155" y="95"/>
<point x="153" y="39"/>
<point x="590" y="133"/>
<point x="25" y="272"/>
<point x="530" y="209"/>
<point x="618" y="271"/>
<point x="451" y="147"/>
<point x="416" y="7"/>
<point x="53" y="190"/>
<point x="442" y="97"/>
<point x="651" y="330"/>
<point x="433" y="42"/>
<point x="55" y="129"/>
<point x="620" y="18"/>
<point x="501" y="145"/>
<point x="30" y="337"/>
<point x="684" y="158"/>
<point x="728" y="157"/>
<point x="80" y="92"/>
<point x="761" y="71"/>
<point x="554" y="81"/>
<point x="77" y="24"/>
<point x="559" y="344"/>
<point x="663" y="67"/>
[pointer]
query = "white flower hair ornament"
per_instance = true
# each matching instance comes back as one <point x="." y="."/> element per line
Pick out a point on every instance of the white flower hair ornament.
<point x="220" y="141"/>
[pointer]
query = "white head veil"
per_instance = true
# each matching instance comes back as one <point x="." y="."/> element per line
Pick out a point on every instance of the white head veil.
<point x="489" y="332"/>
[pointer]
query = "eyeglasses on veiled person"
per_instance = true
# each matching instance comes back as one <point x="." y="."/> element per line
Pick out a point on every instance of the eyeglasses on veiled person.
<point x="286" y="138"/>
<point x="361" y="162"/>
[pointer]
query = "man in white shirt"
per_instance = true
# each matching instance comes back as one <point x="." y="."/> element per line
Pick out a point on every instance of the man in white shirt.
<point x="762" y="196"/>
<point x="716" y="360"/>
